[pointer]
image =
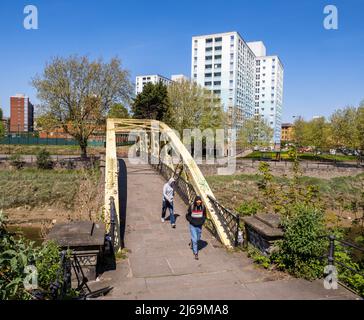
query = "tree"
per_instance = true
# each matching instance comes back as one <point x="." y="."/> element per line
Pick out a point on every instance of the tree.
<point x="152" y="102"/>
<point x="192" y="106"/>
<point x="300" y="132"/>
<point x="254" y="132"/>
<point x="118" y="111"/>
<point x="76" y="94"/>
<point x="317" y="133"/>
<point x="2" y="129"/>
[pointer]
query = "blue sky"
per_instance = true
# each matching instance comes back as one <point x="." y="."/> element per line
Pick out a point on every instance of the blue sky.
<point x="324" y="69"/>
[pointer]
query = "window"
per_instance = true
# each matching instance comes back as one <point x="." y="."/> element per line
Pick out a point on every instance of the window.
<point x="217" y="83"/>
<point x="208" y="83"/>
<point x="219" y="39"/>
<point x="208" y="49"/>
<point x="217" y="74"/>
<point x="217" y="91"/>
<point x="218" y="56"/>
<point x="208" y="75"/>
<point x="257" y="70"/>
<point x="208" y="66"/>
<point x="208" y="58"/>
<point x="217" y="65"/>
<point x="218" y="48"/>
<point x="209" y="40"/>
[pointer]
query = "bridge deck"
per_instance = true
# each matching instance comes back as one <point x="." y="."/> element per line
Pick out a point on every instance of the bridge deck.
<point x="160" y="264"/>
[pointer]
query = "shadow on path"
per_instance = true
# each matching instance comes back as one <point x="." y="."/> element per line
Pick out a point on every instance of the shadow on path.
<point x="123" y="198"/>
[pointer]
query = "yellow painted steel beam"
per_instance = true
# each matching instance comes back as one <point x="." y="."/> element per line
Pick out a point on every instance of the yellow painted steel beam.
<point x="192" y="170"/>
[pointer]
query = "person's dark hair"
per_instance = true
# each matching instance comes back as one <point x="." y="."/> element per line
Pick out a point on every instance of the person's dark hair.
<point x="196" y="199"/>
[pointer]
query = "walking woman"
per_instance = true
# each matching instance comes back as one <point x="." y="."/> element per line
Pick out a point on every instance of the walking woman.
<point x="196" y="216"/>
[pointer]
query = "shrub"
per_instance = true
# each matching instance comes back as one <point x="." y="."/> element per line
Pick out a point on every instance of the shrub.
<point x="15" y="255"/>
<point x="258" y="257"/>
<point x="301" y="249"/>
<point x="44" y="160"/>
<point x="16" y="160"/>
<point x="248" y="208"/>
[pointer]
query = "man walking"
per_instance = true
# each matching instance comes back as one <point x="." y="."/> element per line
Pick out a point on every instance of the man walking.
<point x="196" y="216"/>
<point x="168" y="195"/>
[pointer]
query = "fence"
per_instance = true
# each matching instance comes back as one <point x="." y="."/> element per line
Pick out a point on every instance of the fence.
<point x="32" y="140"/>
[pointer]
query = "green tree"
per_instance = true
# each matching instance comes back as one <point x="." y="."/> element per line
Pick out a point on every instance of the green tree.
<point x="192" y="106"/>
<point x="254" y="132"/>
<point x="343" y="127"/>
<point x="300" y="132"/>
<point x="76" y="93"/>
<point x="316" y="133"/>
<point x="118" y="111"/>
<point x="152" y="103"/>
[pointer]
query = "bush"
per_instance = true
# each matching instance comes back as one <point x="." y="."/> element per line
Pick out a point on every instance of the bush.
<point x="15" y="255"/>
<point x="301" y="248"/>
<point x="258" y="257"/>
<point x="44" y="160"/>
<point x="248" y="208"/>
<point x="16" y="160"/>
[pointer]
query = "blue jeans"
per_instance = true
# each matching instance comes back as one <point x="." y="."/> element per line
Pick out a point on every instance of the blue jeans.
<point x="195" y="237"/>
<point x="166" y="204"/>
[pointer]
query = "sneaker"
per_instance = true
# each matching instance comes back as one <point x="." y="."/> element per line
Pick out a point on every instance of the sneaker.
<point x="162" y="219"/>
<point x="196" y="256"/>
<point x="173" y="225"/>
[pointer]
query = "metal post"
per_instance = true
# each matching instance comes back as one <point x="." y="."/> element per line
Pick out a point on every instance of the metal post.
<point x="331" y="257"/>
<point x="237" y="231"/>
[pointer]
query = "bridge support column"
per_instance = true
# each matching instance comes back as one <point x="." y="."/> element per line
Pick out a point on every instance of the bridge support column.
<point x="111" y="181"/>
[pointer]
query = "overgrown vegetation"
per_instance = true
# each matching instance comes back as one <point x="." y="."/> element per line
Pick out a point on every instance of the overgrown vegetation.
<point x="35" y="188"/>
<point x="301" y="203"/>
<point x="44" y="160"/>
<point x="16" y="255"/>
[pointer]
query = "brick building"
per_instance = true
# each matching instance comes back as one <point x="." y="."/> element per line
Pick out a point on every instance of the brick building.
<point x="21" y="114"/>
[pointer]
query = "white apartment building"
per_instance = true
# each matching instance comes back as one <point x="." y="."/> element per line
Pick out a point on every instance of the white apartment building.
<point x="268" y="93"/>
<point x="179" y="77"/>
<point x="225" y="64"/>
<point x="154" y="78"/>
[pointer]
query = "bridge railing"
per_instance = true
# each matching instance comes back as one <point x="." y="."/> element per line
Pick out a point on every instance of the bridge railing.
<point x="332" y="249"/>
<point x="229" y="219"/>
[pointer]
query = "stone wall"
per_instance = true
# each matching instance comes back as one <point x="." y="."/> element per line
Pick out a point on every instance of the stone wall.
<point x="311" y="169"/>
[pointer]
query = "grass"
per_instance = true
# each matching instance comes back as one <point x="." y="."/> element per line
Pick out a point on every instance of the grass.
<point x="54" y="150"/>
<point x="303" y="156"/>
<point x="233" y="190"/>
<point x="34" y="188"/>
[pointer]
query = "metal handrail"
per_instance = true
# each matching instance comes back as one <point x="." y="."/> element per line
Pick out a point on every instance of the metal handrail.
<point x="231" y="220"/>
<point x="331" y="253"/>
